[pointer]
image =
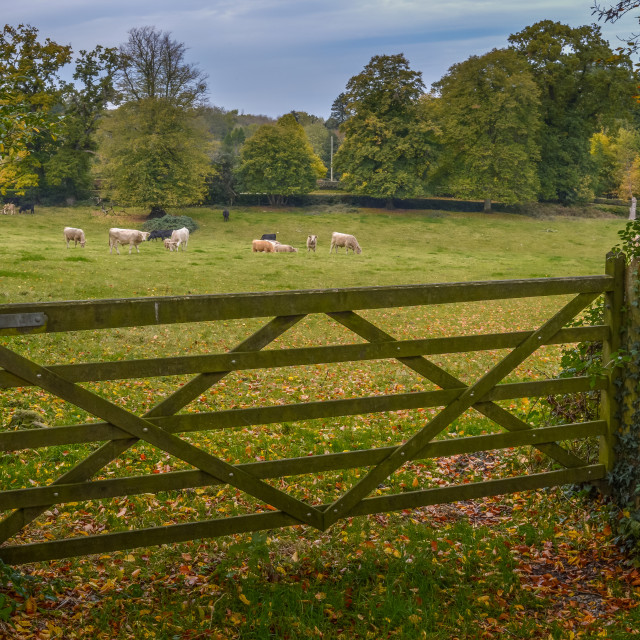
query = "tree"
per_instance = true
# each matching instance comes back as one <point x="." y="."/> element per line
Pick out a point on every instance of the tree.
<point x="583" y="87"/>
<point x="340" y="112"/>
<point x="617" y="162"/>
<point x="388" y="143"/>
<point x="278" y="160"/>
<point x="30" y="91"/>
<point x="603" y="155"/>
<point x="488" y="111"/>
<point x="223" y="185"/>
<point x="68" y="169"/>
<point x="613" y="12"/>
<point x="155" y="147"/>
<point x="152" y="66"/>
<point x="154" y="154"/>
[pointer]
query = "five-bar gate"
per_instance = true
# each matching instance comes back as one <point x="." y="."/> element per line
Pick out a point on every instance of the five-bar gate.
<point x="162" y="425"/>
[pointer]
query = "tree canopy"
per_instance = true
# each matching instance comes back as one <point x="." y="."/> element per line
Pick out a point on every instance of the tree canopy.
<point x="68" y="168"/>
<point x="154" y="154"/>
<point x="30" y="90"/>
<point x="278" y="160"/>
<point x="387" y="143"/>
<point x="152" y="65"/>
<point x="583" y="86"/>
<point x="488" y="111"/>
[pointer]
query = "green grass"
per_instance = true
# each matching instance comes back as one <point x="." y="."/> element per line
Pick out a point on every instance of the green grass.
<point x="517" y="566"/>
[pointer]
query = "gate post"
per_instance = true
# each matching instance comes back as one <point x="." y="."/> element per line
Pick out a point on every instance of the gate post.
<point x="624" y="476"/>
<point x="612" y="318"/>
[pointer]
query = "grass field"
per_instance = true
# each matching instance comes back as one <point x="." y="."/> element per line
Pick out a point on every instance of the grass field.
<point x="531" y="565"/>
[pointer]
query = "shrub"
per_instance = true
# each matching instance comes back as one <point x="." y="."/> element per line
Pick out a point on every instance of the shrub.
<point x="170" y="222"/>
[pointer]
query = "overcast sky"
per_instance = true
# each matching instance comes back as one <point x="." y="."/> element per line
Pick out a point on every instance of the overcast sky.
<point x="272" y="56"/>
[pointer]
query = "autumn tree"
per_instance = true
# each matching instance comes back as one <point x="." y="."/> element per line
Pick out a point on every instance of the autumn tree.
<point x="156" y="148"/>
<point x="30" y="92"/>
<point x="278" y="160"/>
<point x="68" y="169"/>
<point x="317" y="134"/>
<point x="603" y="156"/>
<point x="387" y="146"/>
<point x="616" y="159"/>
<point x="488" y="113"/>
<point x="154" y="154"/>
<point x="583" y="86"/>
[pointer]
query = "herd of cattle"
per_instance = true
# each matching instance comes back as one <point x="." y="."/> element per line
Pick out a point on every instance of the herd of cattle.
<point x="269" y="244"/>
<point x="173" y="240"/>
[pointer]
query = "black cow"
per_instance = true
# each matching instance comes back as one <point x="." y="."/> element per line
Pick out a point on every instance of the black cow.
<point x="160" y="233"/>
<point x="225" y="215"/>
<point x="24" y="208"/>
<point x="268" y="236"/>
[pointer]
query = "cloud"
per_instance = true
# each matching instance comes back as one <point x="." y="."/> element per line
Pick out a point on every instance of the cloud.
<point x="271" y="56"/>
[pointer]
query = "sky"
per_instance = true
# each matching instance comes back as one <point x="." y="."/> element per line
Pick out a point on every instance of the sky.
<point x="273" y="56"/>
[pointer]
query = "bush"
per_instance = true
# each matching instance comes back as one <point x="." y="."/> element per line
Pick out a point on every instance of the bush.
<point x="171" y="223"/>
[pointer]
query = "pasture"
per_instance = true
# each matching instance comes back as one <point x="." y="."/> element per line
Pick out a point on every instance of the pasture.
<point x="533" y="565"/>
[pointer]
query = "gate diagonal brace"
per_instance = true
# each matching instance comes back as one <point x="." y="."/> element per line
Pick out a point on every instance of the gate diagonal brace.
<point x="109" y="451"/>
<point x="145" y="430"/>
<point x="445" y="380"/>
<point x="342" y="507"/>
<point x="142" y="429"/>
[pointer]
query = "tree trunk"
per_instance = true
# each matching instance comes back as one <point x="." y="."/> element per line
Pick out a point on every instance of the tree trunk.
<point x="487" y="205"/>
<point x="632" y="209"/>
<point x="390" y="204"/>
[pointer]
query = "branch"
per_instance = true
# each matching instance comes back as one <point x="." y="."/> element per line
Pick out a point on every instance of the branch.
<point x="614" y="12"/>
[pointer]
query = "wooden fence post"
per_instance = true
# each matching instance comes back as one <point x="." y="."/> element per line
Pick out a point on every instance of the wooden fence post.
<point x="625" y="471"/>
<point x="609" y="409"/>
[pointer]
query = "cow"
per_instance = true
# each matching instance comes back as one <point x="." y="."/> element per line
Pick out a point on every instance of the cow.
<point x="344" y="240"/>
<point x="225" y="215"/>
<point x="75" y="235"/>
<point x="27" y="208"/>
<point x="284" y="248"/>
<point x="311" y="243"/>
<point x="170" y="244"/>
<point x="159" y="233"/>
<point x="181" y="236"/>
<point x="132" y="237"/>
<point x="9" y="209"/>
<point x="269" y="236"/>
<point x="262" y="245"/>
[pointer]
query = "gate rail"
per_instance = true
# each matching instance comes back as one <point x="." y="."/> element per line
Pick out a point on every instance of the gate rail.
<point x="160" y="426"/>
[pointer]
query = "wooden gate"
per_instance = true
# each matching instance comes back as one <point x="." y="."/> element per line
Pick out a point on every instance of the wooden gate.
<point x="160" y="426"/>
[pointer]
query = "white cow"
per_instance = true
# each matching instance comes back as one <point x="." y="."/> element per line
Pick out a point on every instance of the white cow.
<point x="9" y="209"/>
<point x="170" y="244"/>
<point x="132" y="237"/>
<point x="344" y="240"/>
<point x="284" y="248"/>
<point x="75" y="235"/>
<point x="311" y="243"/>
<point x="181" y="236"/>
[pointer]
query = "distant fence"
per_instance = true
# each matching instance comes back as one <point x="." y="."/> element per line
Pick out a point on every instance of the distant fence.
<point x="347" y="199"/>
<point x="160" y="426"/>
